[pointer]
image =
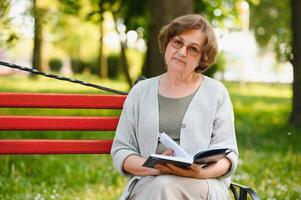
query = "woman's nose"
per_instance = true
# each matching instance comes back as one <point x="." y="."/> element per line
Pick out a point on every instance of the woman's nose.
<point x="183" y="51"/>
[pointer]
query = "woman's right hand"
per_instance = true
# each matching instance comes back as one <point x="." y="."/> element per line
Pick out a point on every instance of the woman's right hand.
<point x="168" y="152"/>
<point x="133" y="165"/>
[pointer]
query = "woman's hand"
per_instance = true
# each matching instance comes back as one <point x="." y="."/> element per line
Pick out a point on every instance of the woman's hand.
<point x="194" y="171"/>
<point x="133" y="165"/>
<point x="214" y="170"/>
<point x="168" y="152"/>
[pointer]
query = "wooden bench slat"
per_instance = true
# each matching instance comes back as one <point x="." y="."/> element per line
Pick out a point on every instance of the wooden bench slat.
<point x="40" y="100"/>
<point x="49" y="123"/>
<point x="55" y="146"/>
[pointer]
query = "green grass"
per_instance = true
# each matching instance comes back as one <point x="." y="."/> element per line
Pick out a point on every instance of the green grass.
<point x="270" y="151"/>
<point x="269" y="162"/>
<point x="47" y="85"/>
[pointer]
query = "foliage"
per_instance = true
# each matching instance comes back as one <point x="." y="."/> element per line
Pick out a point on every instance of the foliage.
<point x="92" y="65"/>
<point x="55" y="64"/>
<point x="79" y="66"/>
<point x="71" y="7"/>
<point x="221" y="13"/>
<point x="70" y="33"/>
<point x="218" y="66"/>
<point x="114" y="66"/>
<point x="270" y="21"/>
<point x="8" y="36"/>
<point x="270" y="154"/>
<point x="135" y="15"/>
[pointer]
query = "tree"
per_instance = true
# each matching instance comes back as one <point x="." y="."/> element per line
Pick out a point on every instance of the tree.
<point x="162" y="12"/>
<point x="96" y="16"/>
<point x="8" y="36"/>
<point x="278" y="23"/>
<point x="75" y="34"/>
<point x="123" y="47"/>
<point x="133" y="13"/>
<point x="38" y="38"/>
<point x="97" y="8"/>
<point x="270" y="22"/>
<point x="296" y="61"/>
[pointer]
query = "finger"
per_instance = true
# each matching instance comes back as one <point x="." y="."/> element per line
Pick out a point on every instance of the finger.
<point x="197" y="171"/>
<point x="159" y="171"/>
<point x="157" y="166"/>
<point x="165" y="169"/>
<point x="172" y="166"/>
<point x="195" y="167"/>
<point x="177" y="169"/>
<point x="168" y="152"/>
<point x="187" y="172"/>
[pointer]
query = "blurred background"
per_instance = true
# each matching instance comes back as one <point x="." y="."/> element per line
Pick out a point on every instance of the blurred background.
<point x="112" y="43"/>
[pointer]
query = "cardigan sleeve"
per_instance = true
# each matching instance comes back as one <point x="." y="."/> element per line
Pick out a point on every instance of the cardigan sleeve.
<point x="125" y="141"/>
<point x="223" y="134"/>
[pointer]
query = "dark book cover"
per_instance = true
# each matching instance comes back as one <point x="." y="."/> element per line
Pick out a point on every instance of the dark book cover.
<point x="204" y="157"/>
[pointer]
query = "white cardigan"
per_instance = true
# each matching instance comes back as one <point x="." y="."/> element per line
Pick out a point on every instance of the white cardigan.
<point x="208" y="123"/>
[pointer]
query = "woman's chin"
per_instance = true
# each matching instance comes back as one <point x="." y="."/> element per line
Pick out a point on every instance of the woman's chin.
<point x="178" y="67"/>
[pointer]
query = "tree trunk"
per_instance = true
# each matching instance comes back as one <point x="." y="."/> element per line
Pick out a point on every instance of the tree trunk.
<point x="296" y="61"/>
<point x="124" y="63"/>
<point x="37" y="44"/>
<point x="102" y="64"/>
<point x="162" y="12"/>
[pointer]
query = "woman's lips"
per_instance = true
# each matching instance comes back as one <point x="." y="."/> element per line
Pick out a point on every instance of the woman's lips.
<point x="179" y="60"/>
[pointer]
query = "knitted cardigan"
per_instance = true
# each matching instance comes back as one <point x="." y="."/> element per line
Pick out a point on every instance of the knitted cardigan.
<point x="207" y="123"/>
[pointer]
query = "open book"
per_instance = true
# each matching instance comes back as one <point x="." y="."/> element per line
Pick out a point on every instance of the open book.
<point x="181" y="157"/>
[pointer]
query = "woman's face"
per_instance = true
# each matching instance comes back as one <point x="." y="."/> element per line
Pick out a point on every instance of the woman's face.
<point x="184" y="51"/>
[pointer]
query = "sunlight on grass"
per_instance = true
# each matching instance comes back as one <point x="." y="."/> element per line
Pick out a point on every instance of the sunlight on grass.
<point x="256" y="89"/>
<point x="44" y="84"/>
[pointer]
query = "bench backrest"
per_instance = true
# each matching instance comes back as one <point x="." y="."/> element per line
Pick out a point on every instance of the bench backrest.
<point x="57" y="123"/>
<point x="51" y="123"/>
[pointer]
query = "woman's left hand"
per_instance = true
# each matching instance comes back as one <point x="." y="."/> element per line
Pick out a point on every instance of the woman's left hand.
<point x="194" y="171"/>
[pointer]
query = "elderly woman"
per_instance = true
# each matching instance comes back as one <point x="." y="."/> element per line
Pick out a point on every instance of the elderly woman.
<point x="191" y="108"/>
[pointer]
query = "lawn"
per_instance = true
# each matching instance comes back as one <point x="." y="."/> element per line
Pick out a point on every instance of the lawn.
<point x="270" y="154"/>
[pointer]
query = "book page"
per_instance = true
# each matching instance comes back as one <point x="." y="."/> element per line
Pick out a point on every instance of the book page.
<point x="170" y="144"/>
<point x="172" y="158"/>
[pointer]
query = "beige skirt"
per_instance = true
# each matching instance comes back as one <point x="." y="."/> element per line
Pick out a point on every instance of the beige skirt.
<point x="165" y="187"/>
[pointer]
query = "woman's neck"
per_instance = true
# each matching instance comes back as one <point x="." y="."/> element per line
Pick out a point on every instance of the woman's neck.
<point x="178" y="80"/>
<point x="172" y="85"/>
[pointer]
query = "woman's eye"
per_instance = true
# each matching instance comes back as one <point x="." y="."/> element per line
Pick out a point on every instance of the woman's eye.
<point x="193" y="49"/>
<point x="179" y="43"/>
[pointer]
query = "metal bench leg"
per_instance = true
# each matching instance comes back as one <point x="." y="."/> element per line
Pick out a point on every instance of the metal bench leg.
<point x="244" y="192"/>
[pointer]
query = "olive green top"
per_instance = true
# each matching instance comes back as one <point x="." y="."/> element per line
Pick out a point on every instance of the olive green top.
<point x="171" y="114"/>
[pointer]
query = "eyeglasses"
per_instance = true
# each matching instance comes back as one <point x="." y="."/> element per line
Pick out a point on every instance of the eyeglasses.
<point x="192" y="49"/>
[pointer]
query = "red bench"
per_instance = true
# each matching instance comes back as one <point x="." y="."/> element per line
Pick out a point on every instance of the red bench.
<point x="68" y="123"/>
